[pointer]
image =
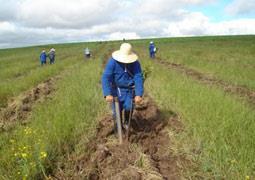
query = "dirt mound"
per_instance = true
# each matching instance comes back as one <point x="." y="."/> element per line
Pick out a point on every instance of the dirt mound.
<point x="146" y="155"/>
<point x="19" y="107"/>
<point x="242" y="91"/>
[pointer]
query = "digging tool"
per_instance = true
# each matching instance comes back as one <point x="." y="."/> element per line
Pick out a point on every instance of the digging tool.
<point x="129" y="119"/>
<point x="118" y="118"/>
<point x="130" y="116"/>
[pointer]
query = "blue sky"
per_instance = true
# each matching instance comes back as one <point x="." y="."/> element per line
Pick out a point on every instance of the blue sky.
<point x="216" y="11"/>
<point x="32" y="22"/>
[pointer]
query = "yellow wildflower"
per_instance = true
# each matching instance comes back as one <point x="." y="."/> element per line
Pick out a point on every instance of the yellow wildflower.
<point x="43" y="155"/>
<point x="24" y="155"/>
<point x="28" y="131"/>
<point x="247" y="177"/>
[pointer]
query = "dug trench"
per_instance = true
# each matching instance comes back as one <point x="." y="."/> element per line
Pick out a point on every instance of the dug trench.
<point x="19" y="108"/>
<point x="145" y="155"/>
<point x="242" y="91"/>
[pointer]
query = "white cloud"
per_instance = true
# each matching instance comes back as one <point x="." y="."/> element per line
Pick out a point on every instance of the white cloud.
<point x="8" y="9"/>
<point x="233" y="27"/>
<point x="191" y="24"/>
<point x="166" y="9"/>
<point x="6" y="27"/>
<point x="66" y="14"/>
<point x="241" y="7"/>
<point x="27" y="22"/>
<point x="120" y="35"/>
<point x="198" y="24"/>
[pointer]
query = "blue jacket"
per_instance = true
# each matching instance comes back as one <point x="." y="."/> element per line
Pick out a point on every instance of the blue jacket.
<point x="122" y="75"/>
<point x="151" y="48"/>
<point x="43" y="56"/>
<point x="52" y="55"/>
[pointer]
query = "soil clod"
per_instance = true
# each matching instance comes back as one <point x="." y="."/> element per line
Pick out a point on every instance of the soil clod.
<point x="19" y="108"/>
<point x="146" y="155"/>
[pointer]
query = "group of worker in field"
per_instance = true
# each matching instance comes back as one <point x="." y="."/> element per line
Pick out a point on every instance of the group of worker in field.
<point x="152" y="50"/>
<point x="51" y="55"/>
<point x="44" y="55"/>
<point x="87" y="54"/>
<point x="122" y="84"/>
<point x="122" y="81"/>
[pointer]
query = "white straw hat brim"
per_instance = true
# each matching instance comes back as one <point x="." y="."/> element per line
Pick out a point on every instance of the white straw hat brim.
<point x="123" y="58"/>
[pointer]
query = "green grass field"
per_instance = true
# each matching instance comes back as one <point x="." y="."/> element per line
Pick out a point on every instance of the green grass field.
<point x="21" y="70"/>
<point x="228" y="59"/>
<point x="218" y="125"/>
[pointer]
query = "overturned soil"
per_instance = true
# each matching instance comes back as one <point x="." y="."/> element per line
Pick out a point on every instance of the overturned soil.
<point x="19" y="108"/>
<point x="145" y="155"/>
<point x="242" y="91"/>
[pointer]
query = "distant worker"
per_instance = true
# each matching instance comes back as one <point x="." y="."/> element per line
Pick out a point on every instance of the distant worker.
<point x="152" y="50"/>
<point x="52" y="55"/>
<point x="122" y="79"/>
<point x="43" y="57"/>
<point x="87" y="53"/>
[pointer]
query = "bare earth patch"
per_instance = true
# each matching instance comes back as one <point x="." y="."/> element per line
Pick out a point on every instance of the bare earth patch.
<point x="19" y="108"/>
<point x="147" y="154"/>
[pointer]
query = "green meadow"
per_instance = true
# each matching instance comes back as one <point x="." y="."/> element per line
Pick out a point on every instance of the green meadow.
<point x="228" y="59"/>
<point x="218" y="135"/>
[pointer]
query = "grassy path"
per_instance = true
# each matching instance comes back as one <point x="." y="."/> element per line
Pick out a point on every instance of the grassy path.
<point x="32" y="150"/>
<point x="243" y="92"/>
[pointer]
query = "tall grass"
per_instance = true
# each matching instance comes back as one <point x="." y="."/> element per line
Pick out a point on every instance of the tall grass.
<point x="55" y="125"/>
<point x="220" y="125"/>
<point x="223" y="126"/>
<point x="22" y="71"/>
<point x="227" y="58"/>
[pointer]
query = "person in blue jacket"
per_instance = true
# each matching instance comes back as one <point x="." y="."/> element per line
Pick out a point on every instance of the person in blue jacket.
<point x="43" y="57"/>
<point x="52" y="55"/>
<point x="152" y="50"/>
<point x="123" y="78"/>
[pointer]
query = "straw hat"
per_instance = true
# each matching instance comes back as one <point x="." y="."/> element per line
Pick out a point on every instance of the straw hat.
<point x="125" y="54"/>
<point x="151" y="42"/>
<point x="52" y="49"/>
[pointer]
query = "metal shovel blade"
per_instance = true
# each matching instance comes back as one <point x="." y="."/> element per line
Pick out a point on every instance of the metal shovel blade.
<point x="118" y="119"/>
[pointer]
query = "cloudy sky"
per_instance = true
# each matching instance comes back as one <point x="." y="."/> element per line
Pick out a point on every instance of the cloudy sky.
<point x="31" y="22"/>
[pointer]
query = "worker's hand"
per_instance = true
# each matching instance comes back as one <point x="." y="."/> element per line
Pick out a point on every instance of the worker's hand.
<point x="138" y="99"/>
<point x="109" y="98"/>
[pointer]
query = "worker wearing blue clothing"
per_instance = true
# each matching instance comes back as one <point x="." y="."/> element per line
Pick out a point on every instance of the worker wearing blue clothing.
<point x="123" y="78"/>
<point x="51" y="55"/>
<point x="43" y="57"/>
<point x="152" y="50"/>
